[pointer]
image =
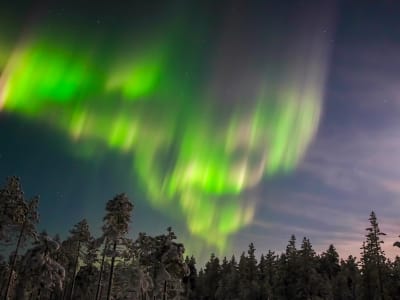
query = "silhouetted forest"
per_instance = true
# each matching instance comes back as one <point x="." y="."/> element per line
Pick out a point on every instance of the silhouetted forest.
<point x="114" y="266"/>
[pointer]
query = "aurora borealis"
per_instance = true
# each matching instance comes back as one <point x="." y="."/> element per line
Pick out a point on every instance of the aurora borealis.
<point x="215" y="109"/>
<point x="192" y="156"/>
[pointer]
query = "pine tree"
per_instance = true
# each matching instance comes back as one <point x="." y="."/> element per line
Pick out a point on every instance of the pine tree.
<point x="116" y="221"/>
<point x="104" y="241"/>
<point x="190" y="280"/>
<point x="80" y="235"/>
<point x="23" y="219"/>
<point x="88" y="273"/>
<point x="11" y="196"/>
<point x="66" y="257"/>
<point x="39" y="270"/>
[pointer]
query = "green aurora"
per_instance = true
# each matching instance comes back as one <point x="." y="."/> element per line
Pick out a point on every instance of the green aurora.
<point x="193" y="157"/>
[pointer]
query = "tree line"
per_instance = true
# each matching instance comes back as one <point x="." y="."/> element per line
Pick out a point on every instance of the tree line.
<point x="114" y="266"/>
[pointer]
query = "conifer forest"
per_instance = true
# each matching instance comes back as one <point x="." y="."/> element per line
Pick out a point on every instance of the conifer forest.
<point x="116" y="266"/>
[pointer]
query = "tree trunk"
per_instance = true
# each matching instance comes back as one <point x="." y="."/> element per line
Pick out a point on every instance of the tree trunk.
<point x="38" y="294"/>
<point x="98" y="290"/>
<point x="165" y="290"/>
<point x="65" y="290"/>
<point x="13" y="262"/>
<point x="3" y="285"/>
<point x="110" y="279"/>
<point x="71" y="295"/>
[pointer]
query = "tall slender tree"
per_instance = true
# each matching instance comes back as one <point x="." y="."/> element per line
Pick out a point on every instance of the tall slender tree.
<point x="211" y="278"/>
<point x="289" y="271"/>
<point x="309" y="281"/>
<point x="80" y="235"/>
<point x="104" y="241"/>
<point x="268" y="274"/>
<point x="116" y="225"/>
<point x="348" y="281"/>
<point x="248" y="274"/>
<point x="87" y="274"/>
<point x="190" y="280"/>
<point x="24" y="219"/>
<point x="329" y="268"/>
<point x="373" y="260"/>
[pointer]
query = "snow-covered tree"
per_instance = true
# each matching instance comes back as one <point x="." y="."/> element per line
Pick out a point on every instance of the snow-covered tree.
<point x="80" y="236"/>
<point x="189" y="281"/>
<point x="162" y="258"/>
<point x="87" y="275"/>
<point x="39" y="272"/>
<point x="116" y="223"/>
<point x="18" y="216"/>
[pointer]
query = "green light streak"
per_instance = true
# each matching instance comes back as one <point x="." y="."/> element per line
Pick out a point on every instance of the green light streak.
<point x="137" y="78"/>
<point x="44" y="72"/>
<point x="192" y="163"/>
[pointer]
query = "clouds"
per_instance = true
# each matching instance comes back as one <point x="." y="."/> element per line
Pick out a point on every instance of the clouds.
<point x="352" y="168"/>
<point x="364" y="82"/>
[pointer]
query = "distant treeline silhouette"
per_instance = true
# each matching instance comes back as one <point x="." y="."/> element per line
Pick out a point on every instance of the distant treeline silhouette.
<point x="114" y="266"/>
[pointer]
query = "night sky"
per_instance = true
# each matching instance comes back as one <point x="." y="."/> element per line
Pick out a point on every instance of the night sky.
<point x="231" y="121"/>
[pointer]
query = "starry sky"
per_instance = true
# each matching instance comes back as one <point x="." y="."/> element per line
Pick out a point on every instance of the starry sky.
<point x="232" y="122"/>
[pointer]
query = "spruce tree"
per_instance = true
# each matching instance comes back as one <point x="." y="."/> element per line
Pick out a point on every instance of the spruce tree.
<point x="289" y="271"/>
<point x="329" y="268"/>
<point x="348" y="280"/>
<point x="309" y="282"/>
<point x="373" y="261"/>
<point x="268" y="275"/>
<point x="212" y="272"/>
<point x="248" y="274"/>
<point x="394" y="278"/>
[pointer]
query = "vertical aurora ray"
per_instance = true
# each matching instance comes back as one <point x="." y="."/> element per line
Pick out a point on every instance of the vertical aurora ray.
<point x="193" y="157"/>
